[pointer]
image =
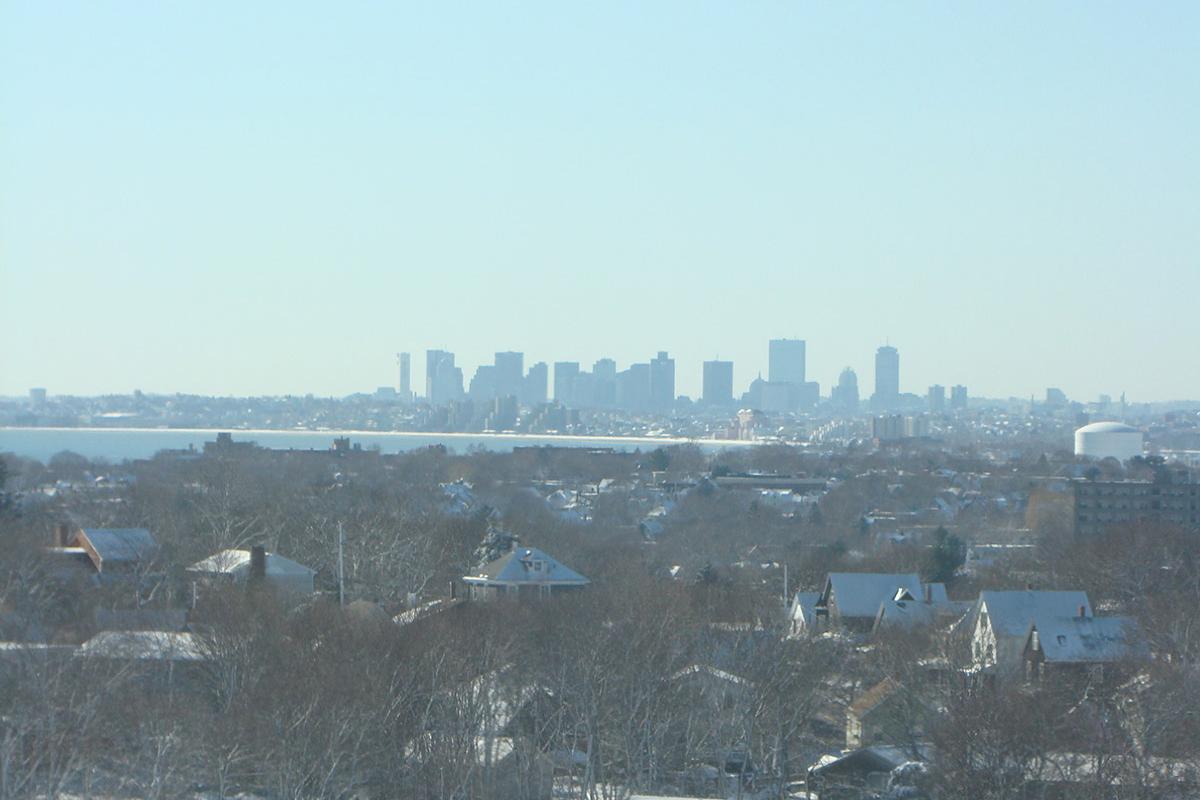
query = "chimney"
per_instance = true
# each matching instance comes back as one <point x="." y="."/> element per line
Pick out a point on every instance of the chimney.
<point x="1029" y="587"/>
<point x="453" y="590"/>
<point x="928" y="593"/>
<point x="1082" y="612"/>
<point x="62" y="535"/>
<point x="258" y="562"/>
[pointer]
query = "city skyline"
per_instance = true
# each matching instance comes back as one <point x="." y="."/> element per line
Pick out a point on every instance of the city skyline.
<point x="283" y="213"/>
<point x="458" y="383"/>
<point x="605" y="384"/>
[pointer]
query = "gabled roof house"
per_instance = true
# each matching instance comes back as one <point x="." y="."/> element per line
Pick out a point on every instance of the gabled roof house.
<point x="852" y="599"/>
<point x="1001" y="622"/>
<point x="523" y="572"/>
<point x="238" y="566"/>
<point x="116" y="549"/>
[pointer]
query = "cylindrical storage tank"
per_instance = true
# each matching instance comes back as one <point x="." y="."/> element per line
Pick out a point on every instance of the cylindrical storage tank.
<point x="1108" y="440"/>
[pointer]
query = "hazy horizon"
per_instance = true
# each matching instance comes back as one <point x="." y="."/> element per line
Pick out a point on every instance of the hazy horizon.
<point x="275" y="199"/>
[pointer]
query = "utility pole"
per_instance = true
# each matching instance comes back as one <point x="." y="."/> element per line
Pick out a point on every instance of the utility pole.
<point x="341" y="568"/>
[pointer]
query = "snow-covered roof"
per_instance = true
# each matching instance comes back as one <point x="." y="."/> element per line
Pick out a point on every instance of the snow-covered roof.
<point x="121" y="544"/>
<point x="708" y="669"/>
<point x="425" y="610"/>
<point x="881" y="758"/>
<point x="1087" y="640"/>
<point x="143" y="646"/>
<point x="904" y="614"/>
<point x="527" y="565"/>
<point x="858" y="594"/>
<point x="1011" y="613"/>
<point x="237" y="562"/>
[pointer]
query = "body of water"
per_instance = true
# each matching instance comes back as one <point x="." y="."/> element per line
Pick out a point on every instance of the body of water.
<point x="119" y="444"/>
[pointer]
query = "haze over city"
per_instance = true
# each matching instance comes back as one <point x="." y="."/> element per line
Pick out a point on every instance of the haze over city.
<point x="218" y="199"/>
<point x="616" y="401"/>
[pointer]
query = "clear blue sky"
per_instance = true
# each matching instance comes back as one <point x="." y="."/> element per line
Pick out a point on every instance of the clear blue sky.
<point x="275" y="197"/>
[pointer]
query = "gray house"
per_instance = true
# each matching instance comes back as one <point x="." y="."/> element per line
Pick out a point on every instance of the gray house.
<point x="852" y="599"/>
<point x="1081" y="644"/>
<point x="1001" y="622"/>
<point x="523" y="572"/>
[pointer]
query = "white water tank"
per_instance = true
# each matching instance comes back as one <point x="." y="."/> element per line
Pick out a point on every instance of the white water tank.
<point x="1108" y="440"/>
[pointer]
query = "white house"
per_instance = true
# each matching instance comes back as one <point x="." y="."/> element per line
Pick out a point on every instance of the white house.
<point x="802" y="614"/>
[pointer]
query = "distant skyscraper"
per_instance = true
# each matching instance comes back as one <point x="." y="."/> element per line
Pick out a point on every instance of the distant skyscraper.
<point x="844" y="396"/>
<point x="605" y="372"/>
<point x="887" y="378"/>
<point x="662" y="382"/>
<point x="564" y="380"/>
<point x="404" y="361"/>
<point x="443" y="380"/>
<point x="510" y="371"/>
<point x="536" y="383"/>
<point x="937" y="398"/>
<point x="718" y="383"/>
<point x="785" y="361"/>
<point x="958" y="398"/>
<point x="37" y="396"/>
<point x="483" y="385"/>
<point x="633" y="388"/>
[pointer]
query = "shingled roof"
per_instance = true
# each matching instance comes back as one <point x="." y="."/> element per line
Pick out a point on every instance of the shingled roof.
<point x="117" y="545"/>
<point x="1087" y="640"/>
<point x="528" y="566"/>
<point x="859" y="594"/>
<point x="1013" y="612"/>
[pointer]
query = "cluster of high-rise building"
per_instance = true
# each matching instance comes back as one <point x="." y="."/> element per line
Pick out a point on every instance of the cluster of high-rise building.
<point x="649" y="387"/>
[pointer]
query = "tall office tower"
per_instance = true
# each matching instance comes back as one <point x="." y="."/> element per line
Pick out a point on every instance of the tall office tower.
<point x="483" y="385"/>
<point x="510" y="369"/>
<point x="605" y="372"/>
<point x="564" y="380"/>
<point x="633" y="388"/>
<point x="536" y="383"/>
<point x="785" y="361"/>
<point x="37" y="396"/>
<point x="887" y="379"/>
<point x="443" y="380"/>
<point x="844" y="396"/>
<point x="605" y="369"/>
<point x="718" y="383"/>
<point x="404" y="361"/>
<point x="937" y="398"/>
<point x="958" y="398"/>
<point x="662" y="382"/>
<point x="583" y="390"/>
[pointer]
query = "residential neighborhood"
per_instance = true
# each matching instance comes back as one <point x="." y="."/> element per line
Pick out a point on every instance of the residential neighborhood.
<point x="561" y="623"/>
